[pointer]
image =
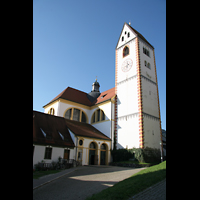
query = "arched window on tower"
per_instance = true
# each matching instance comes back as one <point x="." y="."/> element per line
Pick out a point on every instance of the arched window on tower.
<point x="125" y="51"/>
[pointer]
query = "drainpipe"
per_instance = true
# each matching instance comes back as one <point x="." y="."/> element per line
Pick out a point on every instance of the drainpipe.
<point x="111" y="126"/>
<point x="76" y="148"/>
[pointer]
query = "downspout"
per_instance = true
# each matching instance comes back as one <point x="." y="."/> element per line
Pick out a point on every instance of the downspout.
<point x="76" y="148"/>
<point x="111" y="126"/>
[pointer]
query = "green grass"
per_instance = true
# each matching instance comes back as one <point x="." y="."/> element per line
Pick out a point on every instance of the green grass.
<point x="130" y="162"/>
<point x="134" y="184"/>
<point x="38" y="174"/>
<point x="133" y="161"/>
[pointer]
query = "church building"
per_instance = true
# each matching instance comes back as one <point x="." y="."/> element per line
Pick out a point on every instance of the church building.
<point x="95" y="122"/>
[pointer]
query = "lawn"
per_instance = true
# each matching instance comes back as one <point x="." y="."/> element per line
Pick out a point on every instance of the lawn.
<point x="38" y="174"/>
<point x="134" y="184"/>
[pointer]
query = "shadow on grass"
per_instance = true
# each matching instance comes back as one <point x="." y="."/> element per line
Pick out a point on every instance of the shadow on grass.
<point x="131" y="186"/>
<point x="80" y="185"/>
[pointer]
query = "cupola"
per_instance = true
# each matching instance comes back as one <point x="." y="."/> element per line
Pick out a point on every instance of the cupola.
<point x="94" y="94"/>
<point x="95" y="86"/>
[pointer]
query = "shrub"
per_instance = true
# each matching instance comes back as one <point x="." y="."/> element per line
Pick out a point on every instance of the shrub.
<point x="121" y="155"/>
<point x="146" y="155"/>
<point x="152" y="155"/>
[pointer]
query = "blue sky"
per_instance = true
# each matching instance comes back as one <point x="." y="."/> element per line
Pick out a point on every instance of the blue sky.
<point x="74" y="41"/>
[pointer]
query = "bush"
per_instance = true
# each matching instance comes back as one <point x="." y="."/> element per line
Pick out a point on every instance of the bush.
<point x="146" y="155"/>
<point x="121" y="155"/>
<point x="152" y="155"/>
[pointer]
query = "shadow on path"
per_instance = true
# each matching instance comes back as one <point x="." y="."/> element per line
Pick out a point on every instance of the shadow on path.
<point x="83" y="182"/>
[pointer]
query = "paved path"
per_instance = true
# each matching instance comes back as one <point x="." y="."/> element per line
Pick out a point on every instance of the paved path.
<point x="155" y="192"/>
<point x="81" y="182"/>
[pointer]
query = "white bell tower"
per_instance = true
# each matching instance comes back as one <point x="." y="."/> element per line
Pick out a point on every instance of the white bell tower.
<point x="137" y="111"/>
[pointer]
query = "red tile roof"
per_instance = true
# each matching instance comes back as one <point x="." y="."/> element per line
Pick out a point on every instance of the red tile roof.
<point x="104" y="96"/>
<point x="78" y="96"/>
<point x="51" y="126"/>
<point x="85" y="130"/>
<point x="74" y="95"/>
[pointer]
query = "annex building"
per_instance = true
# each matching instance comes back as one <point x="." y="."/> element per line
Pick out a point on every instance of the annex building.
<point x="85" y="126"/>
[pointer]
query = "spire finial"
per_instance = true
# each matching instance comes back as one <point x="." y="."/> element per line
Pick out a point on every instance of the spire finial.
<point x="129" y="22"/>
<point x="96" y="78"/>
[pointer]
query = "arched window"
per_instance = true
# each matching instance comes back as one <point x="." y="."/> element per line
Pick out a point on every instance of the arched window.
<point x="92" y="145"/>
<point x="103" y="147"/>
<point x="68" y="114"/>
<point x="51" y="111"/>
<point x="98" y="116"/>
<point x="125" y="51"/>
<point x="83" y="117"/>
<point x="75" y="114"/>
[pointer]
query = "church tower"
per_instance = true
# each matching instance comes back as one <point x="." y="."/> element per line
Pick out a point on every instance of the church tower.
<point x="137" y="110"/>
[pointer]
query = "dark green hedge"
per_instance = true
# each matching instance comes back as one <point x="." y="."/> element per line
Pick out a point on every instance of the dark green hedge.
<point x="121" y="155"/>
<point x="146" y="155"/>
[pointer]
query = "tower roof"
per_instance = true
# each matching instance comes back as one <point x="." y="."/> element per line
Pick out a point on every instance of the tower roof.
<point x="135" y="33"/>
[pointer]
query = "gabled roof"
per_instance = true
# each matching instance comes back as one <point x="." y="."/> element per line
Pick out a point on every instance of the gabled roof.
<point x="78" y="96"/>
<point x="74" y="95"/>
<point x="85" y="130"/>
<point x="50" y="130"/>
<point x="104" y="96"/>
<point x="140" y="35"/>
<point x="53" y="130"/>
<point x="135" y="32"/>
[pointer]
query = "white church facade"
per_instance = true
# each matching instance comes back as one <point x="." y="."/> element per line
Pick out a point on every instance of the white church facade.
<point x="125" y="116"/>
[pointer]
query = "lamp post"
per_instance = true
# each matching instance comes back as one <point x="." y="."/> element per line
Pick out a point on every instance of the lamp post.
<point x="161" y="151"/>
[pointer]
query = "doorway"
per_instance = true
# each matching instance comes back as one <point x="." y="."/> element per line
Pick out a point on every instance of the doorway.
<point x="103" y="158"/>
<point x="103" y="154"/>
<point x="93" y="158"/>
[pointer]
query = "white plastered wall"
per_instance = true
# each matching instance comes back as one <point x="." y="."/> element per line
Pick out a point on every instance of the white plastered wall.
<point x="39" y="152"/>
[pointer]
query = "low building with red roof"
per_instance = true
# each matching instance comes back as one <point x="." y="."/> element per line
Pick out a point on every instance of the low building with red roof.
<point x="84" y="120"/>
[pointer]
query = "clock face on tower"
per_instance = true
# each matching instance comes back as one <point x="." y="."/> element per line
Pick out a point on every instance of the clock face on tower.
<point x="126" y="65"/>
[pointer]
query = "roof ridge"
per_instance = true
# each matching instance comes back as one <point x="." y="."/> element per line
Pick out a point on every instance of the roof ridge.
<point x="139" y="34"/>
<point x="48" y="114"/>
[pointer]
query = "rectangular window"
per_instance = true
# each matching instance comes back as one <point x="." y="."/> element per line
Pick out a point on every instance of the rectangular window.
<point x="48" y="153"/>
<point x="66" y="154"/>
<point x="145" y="51"/>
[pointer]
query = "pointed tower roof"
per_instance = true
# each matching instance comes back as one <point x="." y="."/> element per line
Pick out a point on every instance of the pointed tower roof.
<point x="126" y="39"/>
